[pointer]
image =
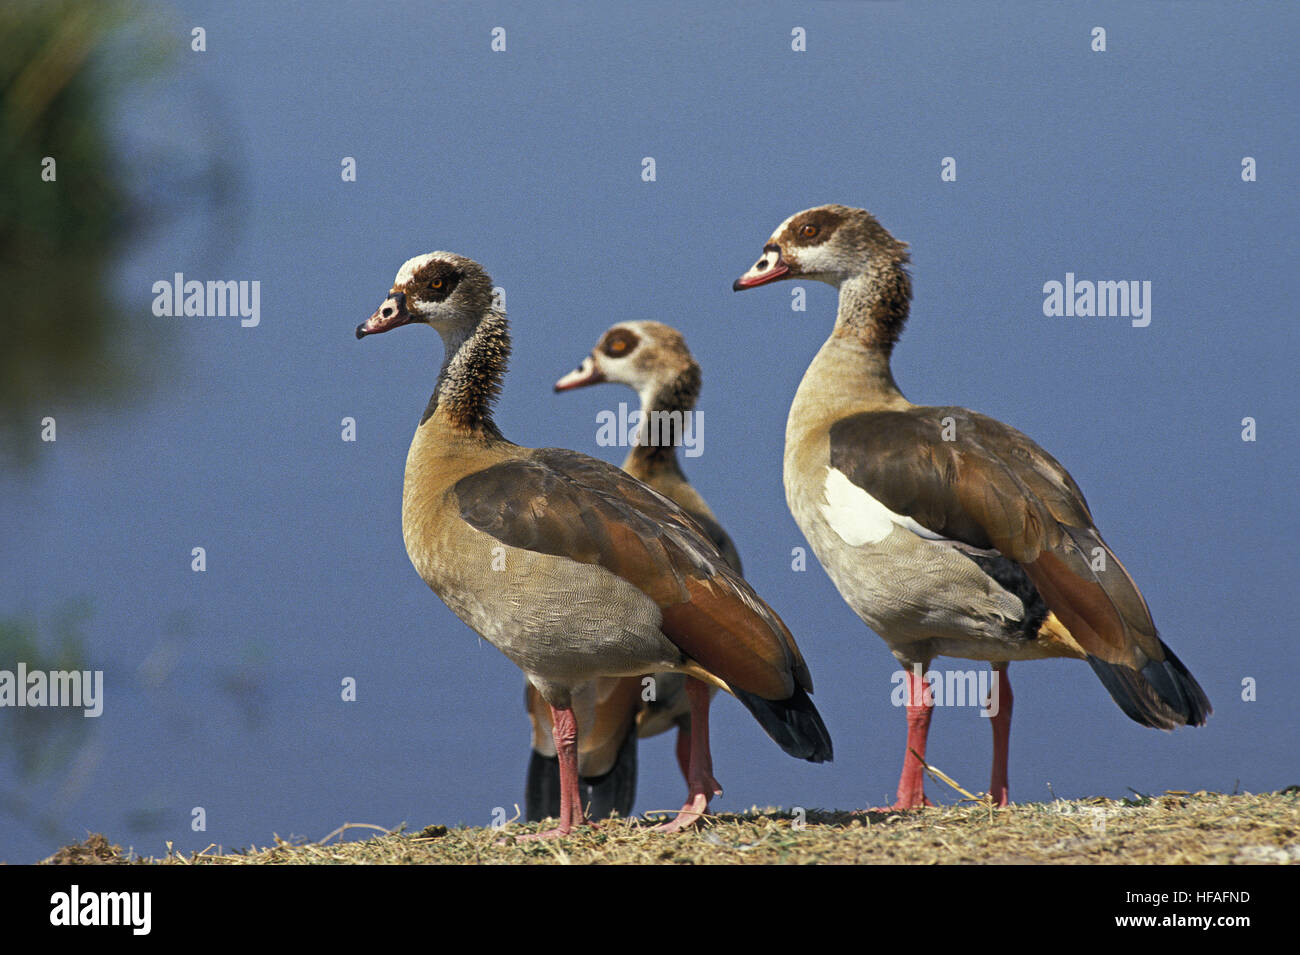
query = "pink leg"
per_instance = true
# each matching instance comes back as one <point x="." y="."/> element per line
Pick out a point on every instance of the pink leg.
<point x="564" y="730"/>
<point x="1001" y="736"/>
<point x="701" y="786"/>
<point x="920" y="707"/>
<point x="684" y="748"/>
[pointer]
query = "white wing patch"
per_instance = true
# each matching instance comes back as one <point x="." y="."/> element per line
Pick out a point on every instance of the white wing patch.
<point x="858" y="518"/>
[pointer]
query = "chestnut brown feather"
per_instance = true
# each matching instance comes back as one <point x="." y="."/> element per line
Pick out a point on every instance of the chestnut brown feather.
<point x="565" y="504"/>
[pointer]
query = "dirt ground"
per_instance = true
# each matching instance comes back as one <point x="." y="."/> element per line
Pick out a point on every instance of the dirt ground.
<point x="1174" y="828"/>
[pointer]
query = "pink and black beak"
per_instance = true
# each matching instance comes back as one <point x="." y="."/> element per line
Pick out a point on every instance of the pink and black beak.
<point x="585" y="374"/>
<point x="388" y="316"/>
<point x="769" y="268"/>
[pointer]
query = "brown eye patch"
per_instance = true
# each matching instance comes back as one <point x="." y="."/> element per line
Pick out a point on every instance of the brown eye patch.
<point x="815" y="227"/>
<point x="619" y="342"/>
<point x="435" y="281"/>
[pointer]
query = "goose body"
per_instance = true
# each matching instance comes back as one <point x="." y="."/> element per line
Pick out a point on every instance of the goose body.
<point x="948" y="532"/>
<point x="652" y="359"/>
<point x="570" y="567"/>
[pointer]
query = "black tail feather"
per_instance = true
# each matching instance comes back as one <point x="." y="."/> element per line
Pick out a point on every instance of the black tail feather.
<point x="1163" y="694"/>
<point x="602" y="796"/>
<point x="794" y="724"/>
<point x="615" y="791"/>
<point x="542" y="790"/>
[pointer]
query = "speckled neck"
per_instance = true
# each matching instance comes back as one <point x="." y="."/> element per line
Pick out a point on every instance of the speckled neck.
<point x="679" y="394"/>
<point x="874" y="306"/>
<point x="471" y="376"/>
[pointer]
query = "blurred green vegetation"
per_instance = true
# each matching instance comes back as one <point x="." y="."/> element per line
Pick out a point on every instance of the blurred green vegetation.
<point x="61" y="64"/>
<point x="41" y="739"/>
<point x="70" y="72"/>
<point x="45" y="745"/>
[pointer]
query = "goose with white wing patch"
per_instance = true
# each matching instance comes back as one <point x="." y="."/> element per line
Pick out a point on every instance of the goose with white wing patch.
<point x="948" y="532"/>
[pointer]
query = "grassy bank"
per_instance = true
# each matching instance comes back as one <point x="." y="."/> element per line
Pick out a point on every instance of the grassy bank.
<point x="1174" y="828"/>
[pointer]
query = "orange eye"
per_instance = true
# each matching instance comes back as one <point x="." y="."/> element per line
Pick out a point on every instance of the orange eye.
<point x="619" y="343"/>
<point x="808" y="231"/>
<point x="436" y="284"/>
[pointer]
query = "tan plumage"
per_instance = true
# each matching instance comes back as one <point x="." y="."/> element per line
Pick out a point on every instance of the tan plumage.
<point x="653" y="360"/>
<point x="570" y="567"/>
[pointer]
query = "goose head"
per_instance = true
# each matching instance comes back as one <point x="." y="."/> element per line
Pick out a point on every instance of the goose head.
<point x="646" y="356"/>
<point x="830" y="244"/>
<point x="442" y="289"/>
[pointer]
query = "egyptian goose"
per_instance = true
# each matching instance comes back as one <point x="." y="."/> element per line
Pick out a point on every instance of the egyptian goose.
<point x="653" y="360"/>
<point x="570" y="567"/>
<point x="947" y="532"/>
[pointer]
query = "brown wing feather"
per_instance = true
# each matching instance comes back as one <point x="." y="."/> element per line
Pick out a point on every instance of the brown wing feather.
<point x="767" y="667"/>
<point x="569" y="505"/>
<point x="993" y="487"/>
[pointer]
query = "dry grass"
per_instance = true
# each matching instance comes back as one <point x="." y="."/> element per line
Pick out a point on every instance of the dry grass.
<point x="1174" y="828"/>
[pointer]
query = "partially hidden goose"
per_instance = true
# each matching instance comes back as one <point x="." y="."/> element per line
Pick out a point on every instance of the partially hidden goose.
<point x="947" y="532"/>
<point x="652" y="359"/>
<point x="569" y="566"/>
